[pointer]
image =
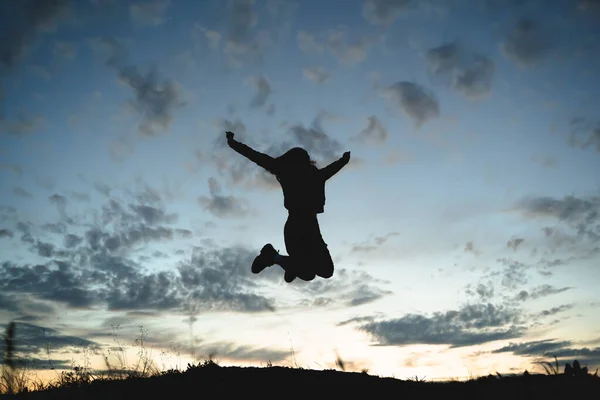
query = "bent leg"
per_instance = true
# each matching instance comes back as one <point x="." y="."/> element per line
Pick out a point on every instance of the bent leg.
<point x="324" y="264"/>
<point x="294" y="268"/>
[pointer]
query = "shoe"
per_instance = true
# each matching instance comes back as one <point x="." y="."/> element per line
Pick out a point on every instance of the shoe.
<point x="289" y="276"/>
<point x="265" y="259"/>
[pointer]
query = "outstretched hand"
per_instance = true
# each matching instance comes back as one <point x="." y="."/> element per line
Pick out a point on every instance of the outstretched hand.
<point x="346" y="156"/>
<point x="229" y="135"/>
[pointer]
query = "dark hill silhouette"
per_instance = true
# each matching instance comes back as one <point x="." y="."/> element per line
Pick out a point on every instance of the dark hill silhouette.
<point x="210" y="380"/>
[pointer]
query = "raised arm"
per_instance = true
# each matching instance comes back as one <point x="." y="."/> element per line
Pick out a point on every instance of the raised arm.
<point x="335" y="166"/>
<point x="263" y="160"/>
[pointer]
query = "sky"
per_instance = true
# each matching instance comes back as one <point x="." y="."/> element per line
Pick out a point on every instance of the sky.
<point x="465" y="230"/>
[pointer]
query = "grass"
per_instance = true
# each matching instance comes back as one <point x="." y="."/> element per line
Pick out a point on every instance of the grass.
<point x="144" y="379"/>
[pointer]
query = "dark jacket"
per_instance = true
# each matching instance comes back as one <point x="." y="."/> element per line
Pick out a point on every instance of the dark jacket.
<point x="303" y="188"/>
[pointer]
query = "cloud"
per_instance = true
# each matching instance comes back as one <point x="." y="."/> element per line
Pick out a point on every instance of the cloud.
<point x="466" y="71"/>
<point x="314" y="139"/>
<point x="541" y="291"/>
<point x="24" y="123"/>
<point x="17" y="191"/>
<point x="527" y="44"/>
<point x="470" y="248"/>
<point x="222" y="206"/>
<point x="97" y="269"/>
<point x="263" y="91"/>
<point x="148" y="13"/>
<point x="65" y="50"/>
<point x="384" y="12"/>
<point x="562" y="350"/>
<point x="416" y="101"/>
<point x="255" y="28"/>
<point x="468" y="326"/>
<point x="237" y="169"/>
<point x="155" y="100"/>
<point x="584" y="133"/>
<point x="484" y="291"/>
<point x="30" y="19"/>
<point x="556" y="310"/>
<point x="514" y="243"/>
<point x="15" y="169"/>
<point x="348" y="49"/>
<point x="6" y="233"/>
<point x="237" y="352"/>
<point x="35" y="339"/>
<point x="581" y="214"/>
<point x="315" y="74"/>
<point x="538" y="347"/>
<point x="309" y="42"/>
<point x="221" y="280"/>
<point x="121" y="148"/>
<point x="348" y="289"/>
<point x="374" y="134"/>
<point x="374" y="244"/>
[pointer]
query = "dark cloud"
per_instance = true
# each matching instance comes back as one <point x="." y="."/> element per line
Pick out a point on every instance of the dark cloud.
<point x="152" y="215"/>
<point x="556" y="310"/>
<point x="416" y="101"/>
<point x="63" y="283"/>
<point x="41" y="363"/>
<point x="8" y="213"/>
<point x="584" y="133"/>
<point x="237" y="352"/>
<point x="513" y="275"/>
<point x="464" y="70"/>
<point x="24" y="123"/>
<point x="374" y="134"/>
<point x="33" y="345"/>
<point x="222" y="280"/>
<point x="157" y="291"/>
<point x="349" y="289"/>
<point x="535" y="348"/>
<point x="17" y="191"/>
<point x="28" y="19"/>
<point x="148" y="13"/>
<point x="347" y="48"/>
<point x="15" y="169"/>
<point x="483" y="291"/>
<point x="514" y="243"/>
<point x="309" y="43"/>
<point x="540" y="291"/>
<point x="102" y="188"/>
<point x="470" y="248"/>
<point x="184" y="233"/>
<point x="384" y="12"/>
<point x="356" y="320"/>
<point x="315" y="74"/>
<point x="581" y="214"/>
<point x="6" y="233"/>
<point x="65" y="50"/>
<point x="263" y="91"/>
<point x="562" y="350"/>
<point x="222" y="206"/>
<point x="90" y="264"/>
<point x="155" y="100"/>
<point x="373" y="243"/>
<point x="254" y="28"/>
<point x="527" y="43"/>
<point x="470" y="325"/>
<point x="315" y="141"/>
<point x="80" y="196"/>
<point x="72" y="241"/>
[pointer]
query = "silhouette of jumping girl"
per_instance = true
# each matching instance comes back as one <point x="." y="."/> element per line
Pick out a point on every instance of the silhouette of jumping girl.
<point x="303" y="186"/>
